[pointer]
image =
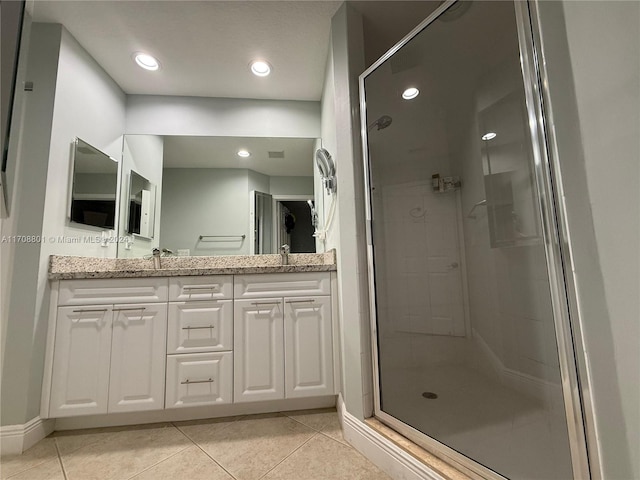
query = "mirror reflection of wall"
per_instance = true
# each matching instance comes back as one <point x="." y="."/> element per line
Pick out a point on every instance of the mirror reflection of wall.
<point x="95" y="184"/>
<point x="204" y="193"/>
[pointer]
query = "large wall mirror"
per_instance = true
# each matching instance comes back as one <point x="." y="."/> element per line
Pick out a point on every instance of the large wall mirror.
<point x="207" y="191"/>
<point x="95" y="186"/>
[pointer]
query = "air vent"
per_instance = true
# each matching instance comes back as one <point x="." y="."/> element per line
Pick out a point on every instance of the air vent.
<point x="276" y="154"/>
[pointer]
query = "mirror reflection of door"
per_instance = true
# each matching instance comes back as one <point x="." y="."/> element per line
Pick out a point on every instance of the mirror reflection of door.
<point x="294" y="226"/>
<point x="262" y="222"/>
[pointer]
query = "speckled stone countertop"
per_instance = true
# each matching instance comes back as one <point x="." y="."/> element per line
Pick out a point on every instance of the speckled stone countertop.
<point x="66" y="267"/>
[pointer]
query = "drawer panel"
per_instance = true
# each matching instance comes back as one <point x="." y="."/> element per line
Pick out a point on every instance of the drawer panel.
<point x="281" y="285"/>
<point x="200" y="288"/>
<point x="200" y="326"/>
<point x="113" y="290"/>
<point x="199" y="379"/>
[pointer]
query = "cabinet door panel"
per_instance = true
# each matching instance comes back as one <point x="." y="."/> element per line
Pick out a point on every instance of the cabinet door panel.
<point x="258" y="350"/>
<point x="138" y="357"/>
<point x="199" y="379"/>
<point x="308" y="347"/>
<point x="80" y="381"/>
<point x="200" y="326"/>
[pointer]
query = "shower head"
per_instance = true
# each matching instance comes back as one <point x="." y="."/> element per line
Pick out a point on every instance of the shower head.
<point x="383" y="122"/>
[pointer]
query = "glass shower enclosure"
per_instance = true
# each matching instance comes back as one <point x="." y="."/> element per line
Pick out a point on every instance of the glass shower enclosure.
<point x="471" y="358"/>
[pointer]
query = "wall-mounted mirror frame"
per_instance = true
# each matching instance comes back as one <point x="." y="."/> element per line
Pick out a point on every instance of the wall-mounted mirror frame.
<point x="93" y="198"/>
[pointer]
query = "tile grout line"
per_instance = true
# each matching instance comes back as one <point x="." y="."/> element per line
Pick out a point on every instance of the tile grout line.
<point x="64" y="472"/>
<point x="204" y="451"/>
<point x="294" y="451"/>
<point x="158" y="463"/>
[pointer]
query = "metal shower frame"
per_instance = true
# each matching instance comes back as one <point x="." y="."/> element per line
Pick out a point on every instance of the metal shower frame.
<point x="547" y="172"/>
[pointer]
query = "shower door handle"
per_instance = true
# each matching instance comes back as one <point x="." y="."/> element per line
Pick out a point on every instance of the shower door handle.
<point x="453" y="266"/>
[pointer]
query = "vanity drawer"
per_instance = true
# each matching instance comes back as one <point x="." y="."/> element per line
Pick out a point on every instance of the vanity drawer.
<point x="199" y="379"/>
<point x="200" y="288"/>
<point x="200" y="326"/>
<point x="113" y="290"/>
<point x="281" y="285"/>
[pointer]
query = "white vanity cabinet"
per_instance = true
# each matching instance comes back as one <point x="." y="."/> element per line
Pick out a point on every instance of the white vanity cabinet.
<point x="200" y="341"/>
<point x="282" y="336"/>
<point x="108" y="358"/>
<point x="139" y="344"/>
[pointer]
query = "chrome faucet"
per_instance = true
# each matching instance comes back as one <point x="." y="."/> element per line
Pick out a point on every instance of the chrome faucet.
<point x="284" y="254"/>
<point x="156" y="258"/>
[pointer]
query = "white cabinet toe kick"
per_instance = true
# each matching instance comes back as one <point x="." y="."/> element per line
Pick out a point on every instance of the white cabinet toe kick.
<point x="161" y="344"/>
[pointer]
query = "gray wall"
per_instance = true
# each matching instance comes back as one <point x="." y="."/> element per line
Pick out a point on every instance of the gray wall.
<point x="222" y="117"/>
<point x="291" y="186"/>
<point x="66" y="80"/>
<point x="341" y="136"/>
<point x="205" y="201"/>
<point x="21" y="267"/>
<point x="591" y="54"/>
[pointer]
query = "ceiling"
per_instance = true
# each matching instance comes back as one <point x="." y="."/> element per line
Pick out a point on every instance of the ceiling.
<point x="204" y="47"/>
<point x="221" y="152"/>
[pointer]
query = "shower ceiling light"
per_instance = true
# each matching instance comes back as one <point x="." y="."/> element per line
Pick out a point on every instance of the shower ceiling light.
<point x="489" y="136"/>
<point x="244" y="153"/>
<point x="260" y="68"/>
<point x="146" y="61"/>
<point x="410" y="93"/>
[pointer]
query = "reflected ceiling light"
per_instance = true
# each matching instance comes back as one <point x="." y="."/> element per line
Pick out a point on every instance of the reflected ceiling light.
<point x="260" y="68"/>
<point x="244" y="153"/>
<point x="146" y="61"/>
<point x="489" y="136"/>
<point x="410" y="93"/>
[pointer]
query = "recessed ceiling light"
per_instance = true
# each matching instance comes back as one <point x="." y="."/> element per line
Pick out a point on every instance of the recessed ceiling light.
<point x="410" y="93"/>
<point x="243" y="153"/>
<point x="260" y="68"/>
<point x="146" y="61"/>
<point x="489" y="136"/>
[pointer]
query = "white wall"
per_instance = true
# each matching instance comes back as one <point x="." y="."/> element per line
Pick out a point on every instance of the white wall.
<point x="221" y="117"/>
<point x="591" y="53"/>
<point x="144" y="155"/>
<point x="72" y="97"/>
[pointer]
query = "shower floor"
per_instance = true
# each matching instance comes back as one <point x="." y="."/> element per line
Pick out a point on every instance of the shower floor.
<point x="480" y="418"/>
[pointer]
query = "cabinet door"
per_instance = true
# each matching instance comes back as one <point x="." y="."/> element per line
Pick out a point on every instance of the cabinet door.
<point x="258" y="350"/>
<point x="200" y="326"/>
<point x="80" y="381"/>
<point x="138" y="357"/>
<point x="199" y="379"/>
<point x="308" y="347"/>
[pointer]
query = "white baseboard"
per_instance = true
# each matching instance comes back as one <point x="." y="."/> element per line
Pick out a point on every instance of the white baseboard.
<point x="15" y="439"/>
<point x="380" y="451"/>
<point x="193" y="413"/>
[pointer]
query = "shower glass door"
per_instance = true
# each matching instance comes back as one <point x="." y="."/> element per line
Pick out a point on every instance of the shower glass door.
<point x="466" y="348"/>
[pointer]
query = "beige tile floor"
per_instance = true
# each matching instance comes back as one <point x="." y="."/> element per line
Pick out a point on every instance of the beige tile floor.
<point x="282" y="446"/>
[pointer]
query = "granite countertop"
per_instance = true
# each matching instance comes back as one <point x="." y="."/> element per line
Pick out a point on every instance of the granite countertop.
<point x="63" y="267"/>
